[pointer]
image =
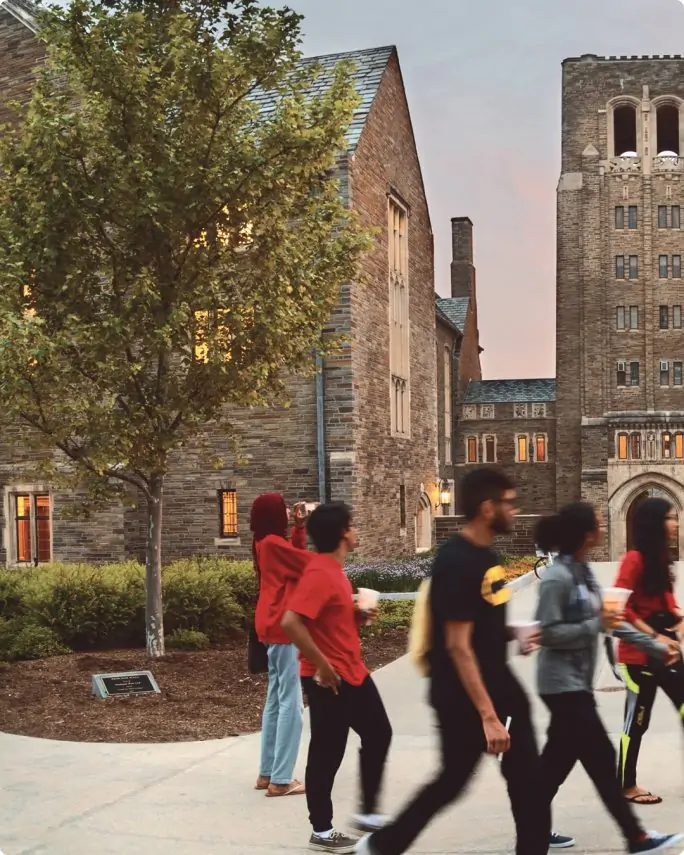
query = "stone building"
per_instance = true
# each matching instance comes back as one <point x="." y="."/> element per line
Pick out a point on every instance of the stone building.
<point x="620" y="392"/>
<point x="363" y="430"/>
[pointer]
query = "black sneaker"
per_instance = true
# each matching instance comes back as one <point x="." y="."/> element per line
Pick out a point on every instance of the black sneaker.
<point x="655" y="842"/>
<point x="334" y="842"/>
<point x="560" y="841"/>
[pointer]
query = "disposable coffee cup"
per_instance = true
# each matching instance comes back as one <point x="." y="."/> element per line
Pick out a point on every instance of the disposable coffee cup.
<point x="615" y="599"/>
<point x="368" y="599"/>
<point x="524" y="631"/>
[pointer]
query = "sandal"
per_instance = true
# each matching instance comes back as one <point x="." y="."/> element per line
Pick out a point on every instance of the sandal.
<point x="294" y="788"/>
<point x="644" y="799"/>
<point x="263" y="782"/>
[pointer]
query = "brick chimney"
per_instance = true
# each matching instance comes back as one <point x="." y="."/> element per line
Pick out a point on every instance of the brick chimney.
<point x="462" y="267"/>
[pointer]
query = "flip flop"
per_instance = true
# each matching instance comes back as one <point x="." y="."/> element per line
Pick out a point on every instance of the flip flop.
<point x="263" y="783"/>
<point x="644" y="799"/>
<point x="294" y="788"/>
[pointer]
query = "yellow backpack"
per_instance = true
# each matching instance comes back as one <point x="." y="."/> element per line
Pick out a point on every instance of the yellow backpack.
<point x="420" y="633"/>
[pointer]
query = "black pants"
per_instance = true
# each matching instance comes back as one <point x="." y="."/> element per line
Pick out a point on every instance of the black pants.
<point x="576" y="732"/>
<point x="463" y="745"/>
<point x="642" y="685"/>
<point x="359" y="708"/>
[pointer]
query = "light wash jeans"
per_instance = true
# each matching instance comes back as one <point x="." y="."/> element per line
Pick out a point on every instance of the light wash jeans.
<point x="283" y="716"/>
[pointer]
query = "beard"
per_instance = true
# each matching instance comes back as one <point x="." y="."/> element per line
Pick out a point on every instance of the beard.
<point x="501" y="525"/>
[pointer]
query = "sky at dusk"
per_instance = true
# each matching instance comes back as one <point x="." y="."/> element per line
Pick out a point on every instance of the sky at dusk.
<point x="483" y="81"/>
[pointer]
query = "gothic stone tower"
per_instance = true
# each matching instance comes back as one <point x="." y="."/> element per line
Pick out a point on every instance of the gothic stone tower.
<point x="620" y="292"/>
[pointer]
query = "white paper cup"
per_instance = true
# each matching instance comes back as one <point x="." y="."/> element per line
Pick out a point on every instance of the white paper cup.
<point x="525" y="629"/>
<point x="615" y="599"/>
<point x="368" y="599"/>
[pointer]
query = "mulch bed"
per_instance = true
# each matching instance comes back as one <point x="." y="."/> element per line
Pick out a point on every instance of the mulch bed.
<point x="205" y="695"/>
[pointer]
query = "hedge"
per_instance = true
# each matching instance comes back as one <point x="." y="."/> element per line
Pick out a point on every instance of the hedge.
<point x="58" y="608"/>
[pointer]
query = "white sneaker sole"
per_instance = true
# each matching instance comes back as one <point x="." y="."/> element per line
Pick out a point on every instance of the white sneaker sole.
<point x="340" y="850"/>
<point x="568" y="845"/>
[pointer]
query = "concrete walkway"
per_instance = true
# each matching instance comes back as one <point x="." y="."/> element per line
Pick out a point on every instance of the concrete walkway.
<point x="196" y="799"/>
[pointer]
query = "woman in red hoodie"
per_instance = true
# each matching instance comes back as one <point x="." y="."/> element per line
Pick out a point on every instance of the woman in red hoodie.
<point x="278" y="564"/>
<point x="652" y="608"/>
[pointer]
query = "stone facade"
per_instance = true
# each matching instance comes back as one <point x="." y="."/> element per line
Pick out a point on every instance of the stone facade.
<point x="519" y="542"/>
<point x="620" y="399"/>
<point x="392" y="481"/>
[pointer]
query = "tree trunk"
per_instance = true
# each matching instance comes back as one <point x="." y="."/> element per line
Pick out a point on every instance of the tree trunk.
<point x="154" y="611"/>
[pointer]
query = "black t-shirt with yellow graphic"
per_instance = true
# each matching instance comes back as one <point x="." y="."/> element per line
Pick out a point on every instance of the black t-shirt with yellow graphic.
<point x="468" y="584"/>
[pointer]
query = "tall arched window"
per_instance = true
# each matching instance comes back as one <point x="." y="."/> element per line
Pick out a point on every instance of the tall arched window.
<point x="625" y="129"/>
<point x="622" y="446"/>
<point x="667" y="128"/>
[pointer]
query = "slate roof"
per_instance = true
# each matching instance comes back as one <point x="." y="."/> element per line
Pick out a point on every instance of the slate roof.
<point x="510" y="391"/>
<point x="23" y="10"/>
<point x="369" y="67"/>
<point x="441" y="316"/>
<point x="456" y="310"/>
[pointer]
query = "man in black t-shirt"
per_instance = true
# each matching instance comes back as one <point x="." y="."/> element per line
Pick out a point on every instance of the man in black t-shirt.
<point x="472" y="689"/>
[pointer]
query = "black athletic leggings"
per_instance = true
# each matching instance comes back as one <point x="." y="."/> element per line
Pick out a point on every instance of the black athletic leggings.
<point x="642" y="685"/>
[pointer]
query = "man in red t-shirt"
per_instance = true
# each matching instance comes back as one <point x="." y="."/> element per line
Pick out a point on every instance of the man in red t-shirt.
<point x="322" y="621"/>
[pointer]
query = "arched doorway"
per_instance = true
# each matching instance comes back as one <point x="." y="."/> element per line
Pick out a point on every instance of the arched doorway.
<point x="424" y="524"/>
<point x="648" y="493"/>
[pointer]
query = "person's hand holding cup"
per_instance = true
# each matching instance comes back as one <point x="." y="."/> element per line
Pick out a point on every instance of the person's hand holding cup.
<point x="367" y="604"/>
<point x="527" y="634"/>
<point x="614" y="602"/>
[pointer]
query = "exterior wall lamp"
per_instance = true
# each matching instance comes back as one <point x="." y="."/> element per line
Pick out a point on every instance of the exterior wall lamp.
<point x="445" y="496"/>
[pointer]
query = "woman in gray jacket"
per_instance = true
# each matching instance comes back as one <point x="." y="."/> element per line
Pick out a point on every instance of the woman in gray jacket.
<point x="572" y="620"/>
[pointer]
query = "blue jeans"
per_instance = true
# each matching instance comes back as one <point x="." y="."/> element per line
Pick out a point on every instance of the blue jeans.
<point x="283" y="716"/>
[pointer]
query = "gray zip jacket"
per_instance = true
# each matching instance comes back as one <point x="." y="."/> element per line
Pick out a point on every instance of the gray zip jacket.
<point x="569" y="612"/>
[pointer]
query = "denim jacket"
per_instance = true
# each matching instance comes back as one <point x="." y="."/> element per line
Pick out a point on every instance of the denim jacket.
<point x="569" y="612"/>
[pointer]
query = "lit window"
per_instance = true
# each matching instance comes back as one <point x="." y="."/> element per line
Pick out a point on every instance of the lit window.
<point x="620" y="317"/>
<point x="399" y="318"/>
<point x="635" y="446"/>
<point x="664" y="318"/>
<point x="676" y="317"/>
<point x="228" y="516"/>
<point x="667" y="445"/>
<point x="471" y="449"/>
<point x="33" y="528"/>
<point x="620" y="217"/>
<point x="676" y="267"/>
<point x="490" y="449"/>
<point x="662" y="266"/>
<point x="662" y="216"/>
<point x="215" y="332"/>
<point x="632" y="216"/>
<point x="622" y="446"/>
<point x="540" y="448"/>
<point x="676" y="219"/>
<point x="676" y="373"/>
<point x="679" y="446"/>
<point x="633" y="267"/>
<point x="521" y="448"/>
<point x="619" y="267"/>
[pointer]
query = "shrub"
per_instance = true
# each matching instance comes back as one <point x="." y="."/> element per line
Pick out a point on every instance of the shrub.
<point x="87" y="606"/>
<point x="187" y="639"/>
<point x="401" y="576"/>
<point x="22" y="639"/>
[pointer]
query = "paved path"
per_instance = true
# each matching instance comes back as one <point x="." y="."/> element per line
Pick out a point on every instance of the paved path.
<point x="196" y="798"/>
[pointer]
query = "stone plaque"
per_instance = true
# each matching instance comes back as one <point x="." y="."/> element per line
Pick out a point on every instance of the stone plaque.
<point x="126" y="683"/>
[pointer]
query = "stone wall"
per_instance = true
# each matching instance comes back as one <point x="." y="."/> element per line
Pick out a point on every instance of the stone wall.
<point x="535" y="482"/>
<point x="385" y="162"/>
<point x="519" y="542"/>
<point x="21" y="55"/>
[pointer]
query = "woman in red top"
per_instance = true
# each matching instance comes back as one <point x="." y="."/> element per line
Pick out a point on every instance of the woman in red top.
<point x="652" y="608"/>
<point x="279" y="564"/>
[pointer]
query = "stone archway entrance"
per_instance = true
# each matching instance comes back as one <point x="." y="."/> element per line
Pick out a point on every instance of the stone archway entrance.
<point x="424" y="524"/>
<point x="648" y="493"/>
<point x="627" y="497"/>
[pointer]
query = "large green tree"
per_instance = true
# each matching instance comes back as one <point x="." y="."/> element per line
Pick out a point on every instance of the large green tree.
<point x="172" y="241"/>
